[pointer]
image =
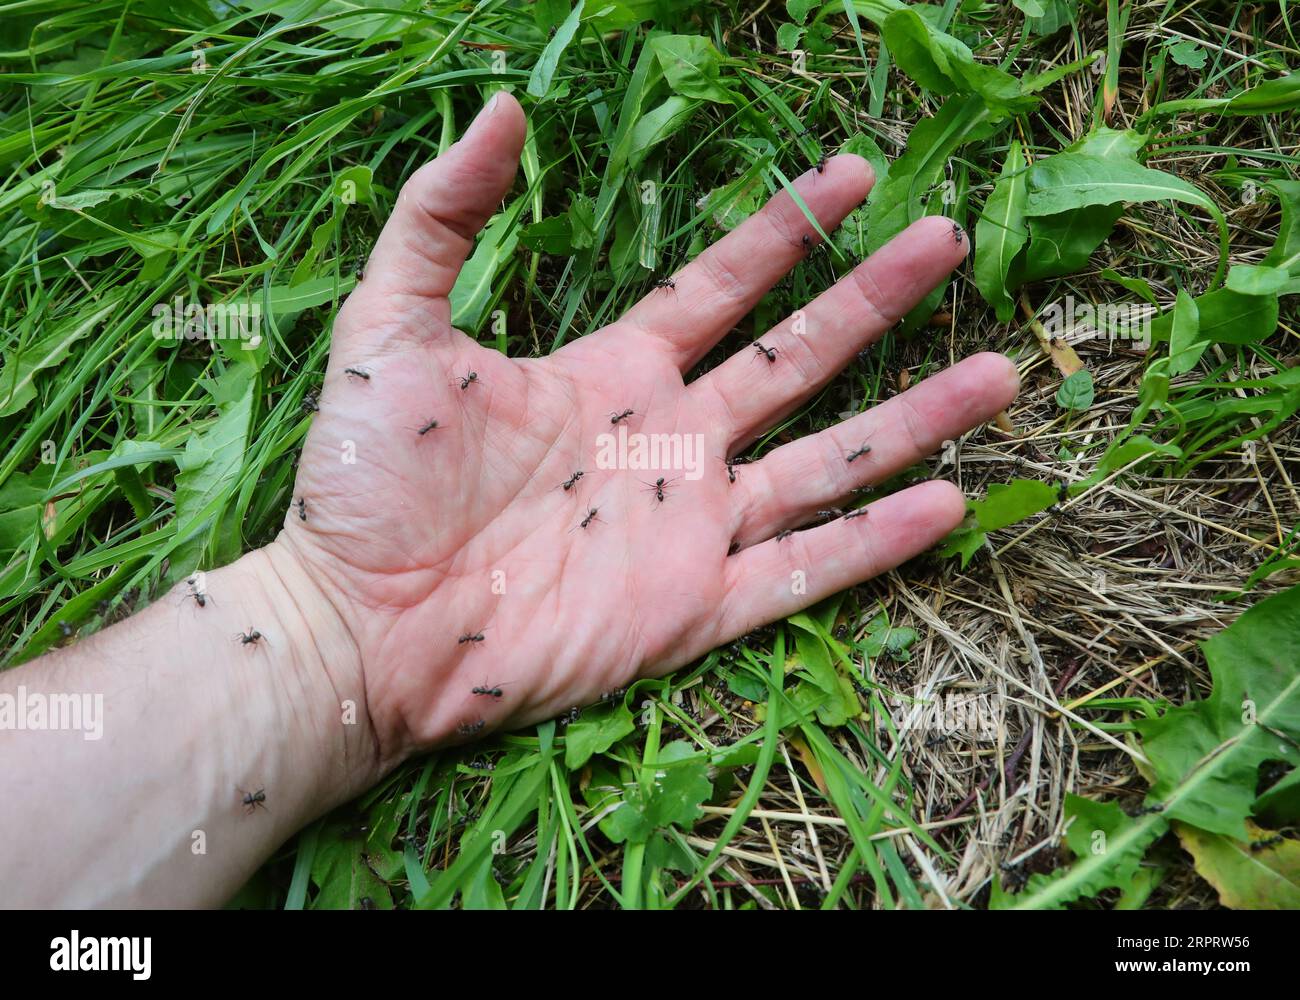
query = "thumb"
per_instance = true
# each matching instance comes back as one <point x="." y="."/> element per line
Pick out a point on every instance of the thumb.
<point x="444" y="204"/>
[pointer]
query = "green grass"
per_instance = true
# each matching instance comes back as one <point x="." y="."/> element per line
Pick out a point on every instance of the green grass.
<point x="131" y="179"/>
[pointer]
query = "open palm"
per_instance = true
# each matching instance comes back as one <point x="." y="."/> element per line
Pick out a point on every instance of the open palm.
<point x="455" y="554"/>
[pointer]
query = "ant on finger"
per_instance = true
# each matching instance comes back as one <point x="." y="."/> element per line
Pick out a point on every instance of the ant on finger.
<point x="249" y="638"/>
<point x="616" y="417"/>
<point x="767" y="352"/>
<point x="470" y="637"/>
<point x="471" y="728"/>
<point x="821" y="163"/>
<point x="666" y="282"/>
<point x="864" y="450"/>
<point x="859" y="512"/>
<point x="432" y="425"/>
<point x="491" y="690"/>
<point x="301" y="504"/>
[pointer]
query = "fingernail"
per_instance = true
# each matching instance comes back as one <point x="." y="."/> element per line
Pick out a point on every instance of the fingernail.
<point x="481" y="118"/>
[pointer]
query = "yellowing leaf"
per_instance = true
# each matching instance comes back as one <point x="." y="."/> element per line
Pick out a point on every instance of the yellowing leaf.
<point x="1247" y="877"/>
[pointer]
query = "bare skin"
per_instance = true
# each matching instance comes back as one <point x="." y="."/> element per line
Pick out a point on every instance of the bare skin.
<point x="414" y="541"/>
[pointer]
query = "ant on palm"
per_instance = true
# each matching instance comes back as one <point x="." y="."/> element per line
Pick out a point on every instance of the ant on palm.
<point x="616" y="417"/>
<point x="252" y="800"/>
<point x="467" y="380"/>
<point x="591" y="516"/>
<point x="767" y="352"/>
<point x="470" y="637"/>
<point x="432" y="425"/>
<point x="249" y="638"/>
<point x="360" y="373"/>
<point x="572" y="481"/>
<point x="658" y="487"/>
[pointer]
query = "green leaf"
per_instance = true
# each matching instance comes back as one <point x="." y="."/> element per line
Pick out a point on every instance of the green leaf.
<point x="899" y="200"/>
<point x="1206" y="754"/>
<point x="1109" y="847"/>
<point x="681" y="784"/>
<point x="473" y="289"/>
<point x="1076" y="392"/>
<point x="1079" y="180"/>
<point x="1189" y="54"/>
<point x="1000" y="233"/>
<point x="595" y="731"/>
<point x="942" y="63"/>
<point x="1185" y="342"/>
<point x="1252" y="279"/>
<point x="1267" y="98"/>
<point x="1017" y="500"/>
<point x="692" y="67"/>
<point x="539" y="81"/>
<point x="17" y="378"/>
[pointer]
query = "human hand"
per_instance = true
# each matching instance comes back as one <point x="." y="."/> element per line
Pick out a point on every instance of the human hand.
<point x="436" y="535"/>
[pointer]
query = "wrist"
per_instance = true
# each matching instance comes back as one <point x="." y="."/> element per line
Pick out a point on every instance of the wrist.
<point x="317" y="690"/>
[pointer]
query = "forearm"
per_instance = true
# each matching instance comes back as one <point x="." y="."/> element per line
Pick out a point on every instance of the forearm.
<point x="149" y="810"/>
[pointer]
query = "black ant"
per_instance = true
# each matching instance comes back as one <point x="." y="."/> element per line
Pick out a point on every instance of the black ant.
<point x="591" y="516"/>
<point x="470" y="728"/>
<point x="432" y="425"/>
<point x="957" y="234"/>
<point x="864" y="450"/>
<point x="767" y="352"/>
<point x="610" y="697"/>
<point x="1148" y="810"/>
<point x="821" y="163"/>
<point x="666" y="282"/>
<point x="859" y="512"/>
<point x="200" y="598"/>
<point x="572" y="481"/>
<point x="1264" y="845"/>
<point x="785" y="534"/>
<point x="806" y="242"/>
<point x="493" y="690"/>
<point x="466" y="380"/>
<point x="250" y="637"/>
<point x="360" y="373"/>
<point x="616" y="417"/>
<point x="570" y="716"/>
<point x="469" y="637"/>
<point x="360" y="274"/>
<point x="311" y="402"/>
<point x="301" y="504"/>
<point x="830" y="514"/>
<point x="252" y="800"/>
<point x="658" y="487"/>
